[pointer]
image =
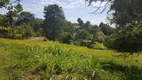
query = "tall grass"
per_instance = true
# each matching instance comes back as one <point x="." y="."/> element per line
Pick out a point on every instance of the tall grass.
<point x="49" y="63"/>
<point x="35" y="60"/>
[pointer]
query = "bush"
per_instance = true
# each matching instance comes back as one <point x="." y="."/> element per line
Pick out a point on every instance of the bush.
<point x="65" y="37"/>
<point x="4" y="31"/>
<point x="98" y="45"/>
<point x="83" y="34"/>
<point x="16" y="32"/>
<point x="75" y="42"/>
<point x="45" y="39"/>
<point x="28" y="31"/>
<point x="127" y="40"/>
<point x="39" y="33"/>
<point x="99" y="37"/>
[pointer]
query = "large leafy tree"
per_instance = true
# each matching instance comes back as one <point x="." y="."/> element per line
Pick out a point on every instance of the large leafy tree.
<point x="93" y="29"/>
<point x="37" y="24"/>
<point x="83" y="35"/>
<point x="82" y="24"/>
<point x="127" y="12"/>
<point x="124" y="12"/>
<point x="96" y="34"/>
<point x="14" y="8"/>
<point x="1" y="19"/>
<point x="106" y="29"/>
<point x="3" y="3"/>
<point x="54" y="22"/>
<point x="6" y="3"/>
<point x="127" y="15"/>
<point x="87" y="24"/>
<point x="25" y="18"/>
<point x="80" y="21"/>
<point x="126" y="40"/>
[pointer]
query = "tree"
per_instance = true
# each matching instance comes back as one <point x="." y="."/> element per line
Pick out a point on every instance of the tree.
<point x="97" y="34"/>
<point x="81" y="23"/>
<point x="87" y="24"/>
<point x="106" y="29"/>
<point x="54" y="22"/>
<point x="13" y="11"/>
<point x="25" y="18"/>
<point x="126" y="12"/>
<point x="128" y="40"/>
<point x="127" y="15"/>
<point x="129" y="10"/>
<point x="37" y="26"/>
<point x="13" y="7"/>
<point x="11" y="18"/>
<point x="6" y="3"/>
<point x="3" y="3"/>
<point x="99" y="37"/>
<point x="83" y="35"/>
<point x="1" y="20"/>
<point x="28" y="30"/>
<point x="83" y="38"/>
<point x="127" y="19"/>
<point x="93" y="29"/>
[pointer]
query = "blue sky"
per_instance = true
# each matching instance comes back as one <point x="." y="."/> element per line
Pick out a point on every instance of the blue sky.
<point x="73" y="9"/>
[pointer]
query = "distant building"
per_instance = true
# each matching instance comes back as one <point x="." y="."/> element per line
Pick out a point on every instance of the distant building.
<point x="86" y="41"/>
<point x="75" y="25"/>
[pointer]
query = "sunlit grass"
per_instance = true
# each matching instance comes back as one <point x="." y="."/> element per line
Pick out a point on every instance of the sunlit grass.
<point x="27" y="55"/>
<point x="108" y="54"/>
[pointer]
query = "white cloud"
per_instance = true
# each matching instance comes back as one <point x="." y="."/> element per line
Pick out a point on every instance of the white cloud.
<point x="73" y="9"/>
<point x="67" y="4"/>
<point x="64" y="3"/>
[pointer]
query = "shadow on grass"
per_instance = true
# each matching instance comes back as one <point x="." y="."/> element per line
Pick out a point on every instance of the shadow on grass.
<point x="125" y="72"/>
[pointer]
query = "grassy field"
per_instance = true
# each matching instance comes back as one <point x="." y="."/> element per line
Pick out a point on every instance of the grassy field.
<point x="38" y="60"/>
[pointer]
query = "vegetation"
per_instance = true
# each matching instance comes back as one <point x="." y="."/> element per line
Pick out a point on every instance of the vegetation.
<point x="32" y="59"/>
<point x="127" y="25"/>
<point x="54" y="22"/>
<point x="127" y="17"/>
<point x="23" y="24"/>
<point x="43" y="59"/>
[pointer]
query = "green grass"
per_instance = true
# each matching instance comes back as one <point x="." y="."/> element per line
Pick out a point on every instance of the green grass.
<point x="31" y="60"/>
<point x="98" y="46"/>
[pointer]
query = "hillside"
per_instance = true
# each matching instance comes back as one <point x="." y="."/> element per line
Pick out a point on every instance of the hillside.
<point x="35" y="60"/>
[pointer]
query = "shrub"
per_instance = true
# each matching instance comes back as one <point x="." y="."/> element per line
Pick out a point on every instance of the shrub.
<point x="65" y="37"/>
<point x="28" y="31"/>
<point x="16" y="32"/>
<point x="45" y="39"/>
<point x="83" y="34"/>
<point x="4" y="31"/>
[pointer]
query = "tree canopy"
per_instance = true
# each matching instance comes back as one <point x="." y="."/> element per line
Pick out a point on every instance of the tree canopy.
<point x="3" y="3"/>
<point x="127" y="16"/>
<point x="25" y="17"/>
<point x="106" y="29"/>
<point x="80" y="21"/>
<point x="54" y="21"/>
